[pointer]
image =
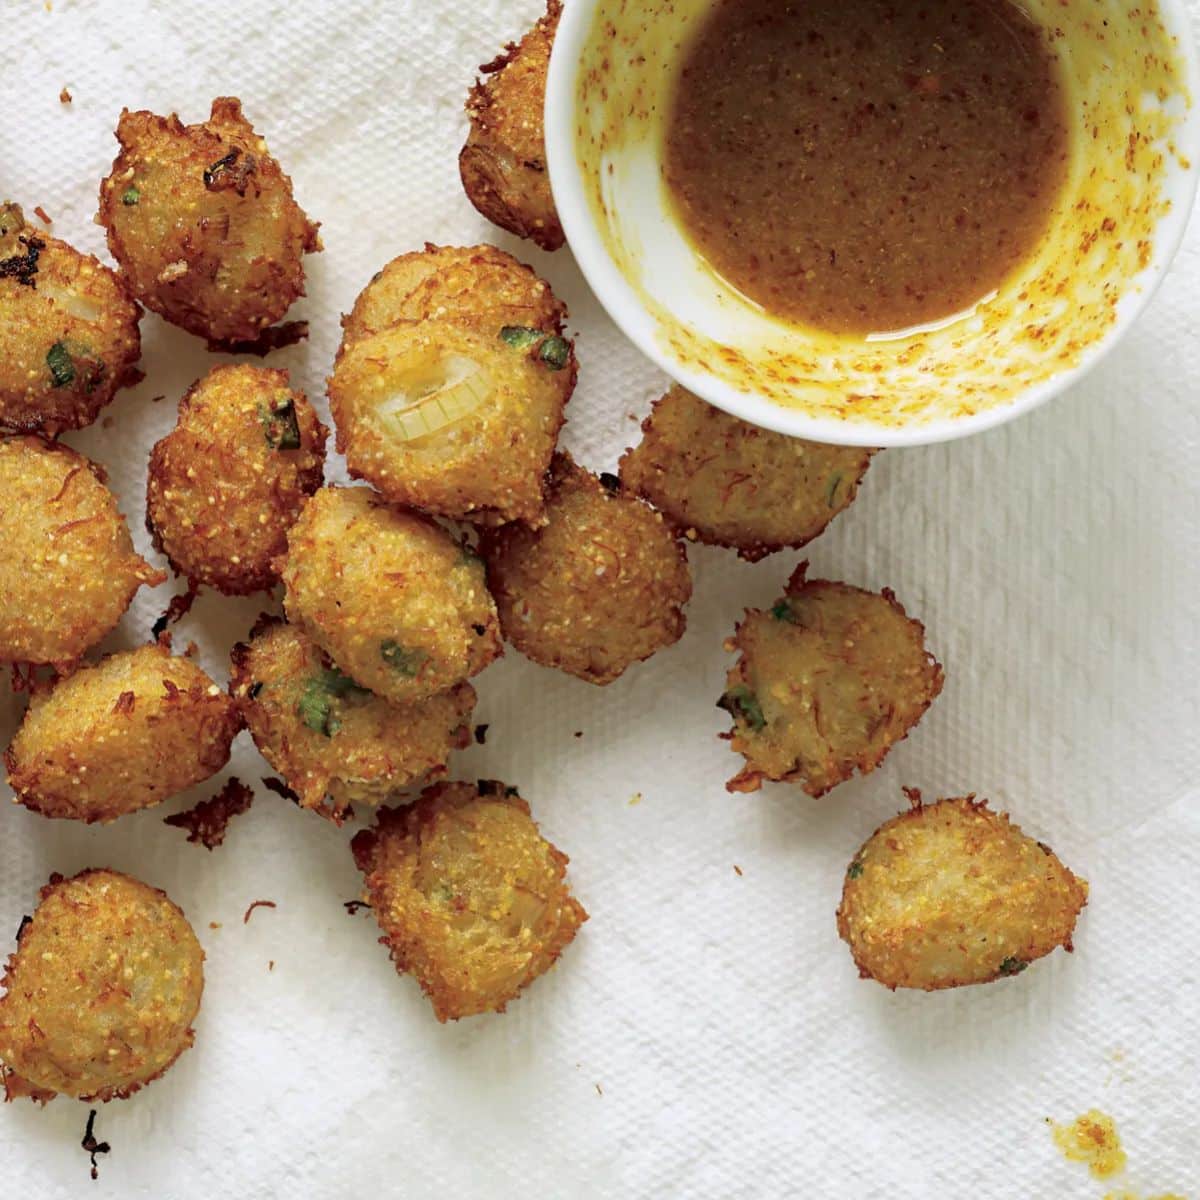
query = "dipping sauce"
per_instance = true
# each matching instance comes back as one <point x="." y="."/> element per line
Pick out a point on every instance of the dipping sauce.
<point x="867" y="166"/>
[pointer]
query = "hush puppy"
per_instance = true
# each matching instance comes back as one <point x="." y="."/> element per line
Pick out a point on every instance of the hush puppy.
<point x="102" y="990"/>
<point x="203" y="225"/>
<point x="329" y="738"/>
<point x="503" y="164"/>
<point x="68" y="331"/>
<point x="726" y="482"/>
<point x="600" y="586"/>
<point x="68" y="569"/>
<point x="952" y="893"/>
<point x="120" y="736"/>
<point x="472" y="900"/>
<point x="828" y="681"/>
<point x="229" y="481"/>
<point x="396" y="603"/>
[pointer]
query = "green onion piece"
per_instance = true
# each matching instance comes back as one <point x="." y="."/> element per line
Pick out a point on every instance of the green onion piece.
<point x="62" y="369"/>
<point x="742" y="704"/>
<point x="520" y="337"/>
<point x="555" y="353"/>
<point x="831" y="493"/>
<point x="854" y="870"/>
<point x="131" y="197"/>
<point x="280" y="424"/>
<point x="315" y="706"/>
<point x="782" y="611"/>
<point x="401" y="659"/>
<point x="1013" y="966"/>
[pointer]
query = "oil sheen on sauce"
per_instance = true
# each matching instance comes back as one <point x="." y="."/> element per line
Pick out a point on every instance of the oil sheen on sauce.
<point x="866" y="166"/>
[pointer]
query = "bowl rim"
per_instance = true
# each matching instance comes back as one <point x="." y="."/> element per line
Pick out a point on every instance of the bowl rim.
<point x="625" y="308"/>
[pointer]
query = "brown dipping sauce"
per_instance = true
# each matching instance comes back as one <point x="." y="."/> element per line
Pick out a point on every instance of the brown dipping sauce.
<point x="866" y="166"/>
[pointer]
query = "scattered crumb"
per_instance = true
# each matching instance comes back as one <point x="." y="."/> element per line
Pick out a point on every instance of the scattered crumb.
<point x="258" y="904"/>
<point x="631" y="417"/>
<point x="599" y="1090"/>
<point x="481" y="733"/>
<point x="65" y="97"/>
<point x="271" y="965"/>
<point x="208" y="820"/>
<point x="191" y="650"/>
<point x="214" y="924"/>
<point x="579" y="733"/>
<point x="636" y="798"/>
<point x="156" y="399"/>
<point x="40" y="212"/>
<point x="353" y="906"/>
<point x="106" y="423"/>
<point x="737" y="868"/>
<point x="176" y="610"/>
<point x="89" y="1143"/>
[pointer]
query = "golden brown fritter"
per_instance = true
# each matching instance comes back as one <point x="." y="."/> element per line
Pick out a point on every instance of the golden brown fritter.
<point x="952" y="893"/>
<point x="471" y="898"/>
<point x="102" y="989"/>
<point x="327" y="736"/>
<point x="396" y="603"/>
<point x="726" y="482"/>
<point x="601" y="586"/>
<point x="828" y="681"/>
<point x="456" y="417"/>
<point x="203" y="225"/>
<point x="503" y="164"/>
<point x="138" y="727"/>
<point x="68" y="331"/>
<point x="229" y="481"/>
<point x="68" y="568"/>
<point x="478" y="283"/>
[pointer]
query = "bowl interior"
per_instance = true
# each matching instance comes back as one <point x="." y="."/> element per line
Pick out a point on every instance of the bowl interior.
<point x="1131" y="76"/>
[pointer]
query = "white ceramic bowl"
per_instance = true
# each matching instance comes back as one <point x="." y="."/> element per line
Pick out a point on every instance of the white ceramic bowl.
<point x="1134" y="88"/>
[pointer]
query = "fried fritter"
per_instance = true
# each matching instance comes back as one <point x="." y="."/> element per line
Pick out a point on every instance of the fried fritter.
<point x="479" y="283"/>
<point x="399" y="606"/>
<point x="453" y="417"/>
<point x="471" y="898"/>
<point x="102" y="989"/>
<point x="68" y="331"/>
<point x="952" y="893"/>
<point x="202" y="222"/>
<point x="120" y="736"/>
<point x="327" y="736"/>
<point x="230" y="480"/>
<point x="601" y="586"/>
<point x="726" y="482"/>
<point x="828" y="681"/>
<point x="68" y="568"/>
<point x="503" y="164"/>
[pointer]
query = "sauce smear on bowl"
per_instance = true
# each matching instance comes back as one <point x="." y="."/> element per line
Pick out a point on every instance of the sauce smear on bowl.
<point x="867" y="166"/>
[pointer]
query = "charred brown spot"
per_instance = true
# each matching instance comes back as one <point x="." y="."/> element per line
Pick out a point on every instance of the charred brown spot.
<point x="231" y="172"/>
<point x="23" y="267"/>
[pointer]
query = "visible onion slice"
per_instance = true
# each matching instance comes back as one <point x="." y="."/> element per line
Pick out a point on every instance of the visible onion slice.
<point x="83" y="307"/>
<point x="426" y="409"/>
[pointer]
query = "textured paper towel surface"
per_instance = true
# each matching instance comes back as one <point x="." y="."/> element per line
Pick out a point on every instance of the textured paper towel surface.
<point x="706" y="1036"/>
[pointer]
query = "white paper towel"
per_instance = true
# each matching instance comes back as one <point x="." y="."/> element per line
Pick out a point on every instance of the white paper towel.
<point x="706" y="1036"/>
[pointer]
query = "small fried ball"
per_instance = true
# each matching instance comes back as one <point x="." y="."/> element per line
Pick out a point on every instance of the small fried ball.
<point x="503" y="164"/>
<point x="102" y="990"/>
<point x="230" y="480"/>
<point x="471" y="898"/>
<point x="601" y="586"/>
<point x="68" y="568"/>
<point x="470" y="283"/>
<point x="330" y="738"/>
<point x="726" y="482"/>
<point x="828" y="681"/>
<point x="202" y="223"/>
<point x="125" y="734"/>
<point x="399" y="605"/>
<point x="952" y="893"/>
<point x="69" y="335"/>
<point x="456" y="418"/>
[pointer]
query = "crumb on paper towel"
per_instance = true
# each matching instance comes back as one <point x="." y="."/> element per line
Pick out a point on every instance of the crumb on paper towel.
<point x="91" y="1146"/>
<point x="40" y="213"/>
<point x="481" y="734"/>
<point x="636" y="798"/>
<point x="208" y="820"/>
<point x="257" y="904"/>
<point x="65" y="97"/>
<point x="737" y="869"/>
<point x="599" y="1090"/>
<point x="354" y="907"/>
<point x="271" y="965"/>
<point x="1091" y="1139"/>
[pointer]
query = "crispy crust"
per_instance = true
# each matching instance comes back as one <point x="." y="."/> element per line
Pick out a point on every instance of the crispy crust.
<point x="68" y="570"/>
<point x="951" y="894"/>
<point x="226" y="485"/>
<point x="725" y="482"/>
<point x="202" y="222"/>
<point x="101" y="991"/>
<point x="120" y="736"/>
<point x="826" y="684"/>
<point x="69" y="335"/>
<point x="503" y="164"/>
<point x="600" y="586"/>
<point x="395" y="602"/>
<point x="362" y="749"/>
<point x="472" y="900"/>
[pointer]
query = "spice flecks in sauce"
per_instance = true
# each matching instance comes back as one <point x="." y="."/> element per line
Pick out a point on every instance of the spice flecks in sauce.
<point x="862" y="165"/>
